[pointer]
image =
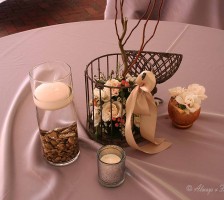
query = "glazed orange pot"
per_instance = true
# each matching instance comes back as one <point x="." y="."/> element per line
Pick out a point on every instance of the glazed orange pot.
<point x="179" y="117"/>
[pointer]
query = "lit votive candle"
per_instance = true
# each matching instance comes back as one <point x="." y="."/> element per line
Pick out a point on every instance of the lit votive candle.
<point x="111" y="165"/>
<point x="110" y="158"/>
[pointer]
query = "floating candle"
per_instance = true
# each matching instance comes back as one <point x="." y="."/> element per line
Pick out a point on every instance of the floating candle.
<point x="52" y="96"/>
<point x="110" y="158"/>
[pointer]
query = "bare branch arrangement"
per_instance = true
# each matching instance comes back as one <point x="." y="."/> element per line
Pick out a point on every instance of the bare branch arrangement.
<point x="124" y="37"/>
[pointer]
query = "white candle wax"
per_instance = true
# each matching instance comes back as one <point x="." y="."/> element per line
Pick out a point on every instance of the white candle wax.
<point x="110" y="158"/>
<point x="52" y="96"/>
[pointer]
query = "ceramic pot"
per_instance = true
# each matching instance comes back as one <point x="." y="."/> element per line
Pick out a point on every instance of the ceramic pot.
<point x="179" y="117"/>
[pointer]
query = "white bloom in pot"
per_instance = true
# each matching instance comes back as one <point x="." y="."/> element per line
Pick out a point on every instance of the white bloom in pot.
<point x="176" y="91"/>
<point x="191" y="101"/>
<point x="185" y="105"/>
<point x="198" y="90"/>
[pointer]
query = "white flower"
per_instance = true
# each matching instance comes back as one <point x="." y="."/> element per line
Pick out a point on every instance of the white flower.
<point x="104" y="96"/>
<point x="190" y="100"/>
<point x="176" y="91"/>
<point x="112" y="91"/>
<point x="130" y="78"/>
<point x="115" y="108"/>
<point x="197" y="90"/>
<point x="96" y="116"/>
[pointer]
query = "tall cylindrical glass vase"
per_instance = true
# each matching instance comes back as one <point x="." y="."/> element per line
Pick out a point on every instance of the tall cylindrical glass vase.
<point x="52" y="90"/>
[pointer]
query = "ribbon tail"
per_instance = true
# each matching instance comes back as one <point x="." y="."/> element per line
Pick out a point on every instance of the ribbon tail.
<point x="128" y="124"/>
<point x="141" y="102"/>
<point x="151" y="148"/>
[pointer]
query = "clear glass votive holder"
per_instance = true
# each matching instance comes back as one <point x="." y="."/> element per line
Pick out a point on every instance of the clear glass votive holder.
<point x="52" y="91"/>
<point x="111" y="165"/>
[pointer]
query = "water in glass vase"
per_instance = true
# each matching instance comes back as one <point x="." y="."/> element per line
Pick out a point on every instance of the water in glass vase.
<point x="57" y="123"/>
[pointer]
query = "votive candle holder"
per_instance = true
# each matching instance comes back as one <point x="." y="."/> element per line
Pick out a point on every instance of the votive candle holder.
<point x="111" y="165"/>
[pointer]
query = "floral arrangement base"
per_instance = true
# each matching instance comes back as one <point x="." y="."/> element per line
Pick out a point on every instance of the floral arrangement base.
<point x="107" y="92"/>
<point x="179" y="117"/>
<point x="105" y="139"/>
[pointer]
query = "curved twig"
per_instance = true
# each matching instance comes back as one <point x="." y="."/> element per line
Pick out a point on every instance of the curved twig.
<point x="157" y="23"/>
<point x="115" y="21"/>
<point x="143" y="39"/>
<point x="143" y="16"/>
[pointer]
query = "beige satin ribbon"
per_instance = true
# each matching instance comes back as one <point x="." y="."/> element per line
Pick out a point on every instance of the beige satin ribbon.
<point x="141" y="102"/>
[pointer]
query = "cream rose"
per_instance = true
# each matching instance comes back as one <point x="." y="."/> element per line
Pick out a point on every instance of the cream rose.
<point x="176" y="91"/>
<point x="96" y="116"/>
<point x="191" y="97"/>
<point x="197" y="90"/>
<point x="115" y="108"/>
<point x="191" y="101"/>
<point x="104" y="96"/>
<point x="112" y="91"/>
<point x="130" y="78"/>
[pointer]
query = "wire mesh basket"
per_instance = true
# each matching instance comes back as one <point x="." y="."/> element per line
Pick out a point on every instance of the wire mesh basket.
<point x="111" y="130"/>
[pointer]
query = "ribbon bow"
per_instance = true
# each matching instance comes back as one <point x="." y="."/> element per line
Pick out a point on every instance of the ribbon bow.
<point x="141" y="102"/>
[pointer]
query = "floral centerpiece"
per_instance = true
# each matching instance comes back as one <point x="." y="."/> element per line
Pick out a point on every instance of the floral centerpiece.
<point x="112" y="100"/>
<point x="185" y="104"/>
<point x="108" y="107"/>
<point x="110" y="79"/>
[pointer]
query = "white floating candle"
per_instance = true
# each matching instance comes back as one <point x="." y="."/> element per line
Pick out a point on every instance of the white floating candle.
<point x="110" y="158"/>
<point x="52" y="96"/>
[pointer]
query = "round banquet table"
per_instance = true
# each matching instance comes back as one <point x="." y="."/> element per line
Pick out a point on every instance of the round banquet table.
<point x="192" y="168"/>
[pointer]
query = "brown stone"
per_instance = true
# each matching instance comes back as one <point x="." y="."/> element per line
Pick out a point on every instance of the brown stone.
<point x="58" y="144"/>
<point x="53" y="135"/>
<point x="71" y="140"/>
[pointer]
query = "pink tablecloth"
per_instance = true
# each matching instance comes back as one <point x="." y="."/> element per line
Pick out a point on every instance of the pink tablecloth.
<point x="191" y="169"/>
